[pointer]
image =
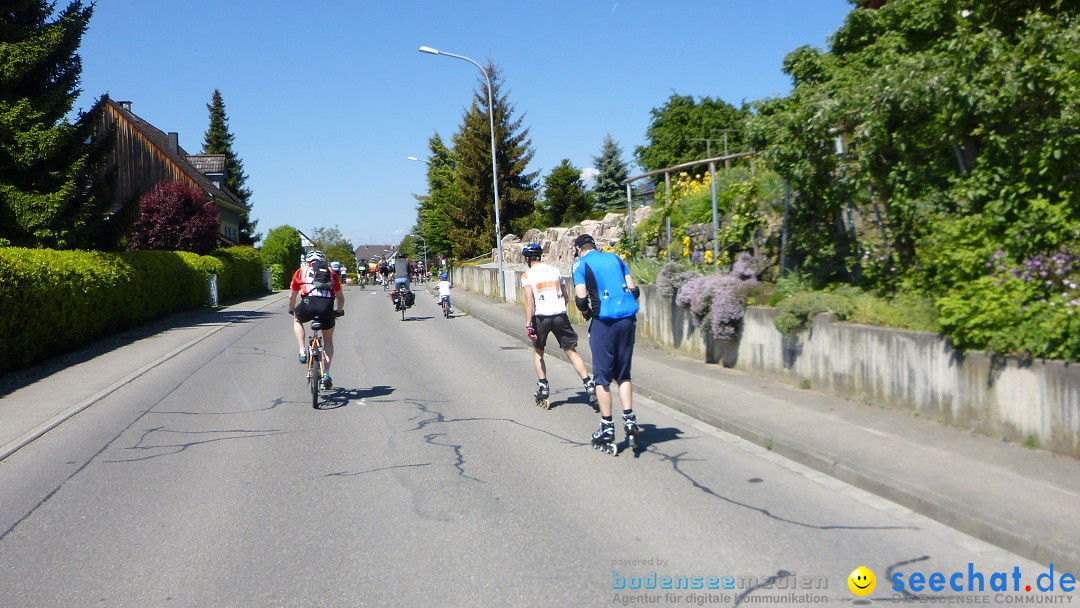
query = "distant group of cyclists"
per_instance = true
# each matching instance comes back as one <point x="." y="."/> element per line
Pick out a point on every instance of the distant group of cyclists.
<point x="315" y="293"/>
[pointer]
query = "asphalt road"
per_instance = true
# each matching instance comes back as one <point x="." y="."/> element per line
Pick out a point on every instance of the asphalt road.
<point x="428" y="477"/>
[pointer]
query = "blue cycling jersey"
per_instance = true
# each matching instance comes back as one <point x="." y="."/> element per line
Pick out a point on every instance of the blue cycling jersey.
<point x="604" y="276"/>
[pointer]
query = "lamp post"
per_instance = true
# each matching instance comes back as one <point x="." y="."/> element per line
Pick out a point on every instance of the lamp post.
<point x="494" y="170"/>
<point x="425" y="248"/>
<point x="417" y="159"/>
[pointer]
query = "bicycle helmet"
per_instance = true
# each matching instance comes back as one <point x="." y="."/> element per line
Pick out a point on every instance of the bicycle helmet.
<point x="444" y="277"/>
<point x="532" y="250"/>
<point x="335" y="265"/>
<point x="316" y="256"/>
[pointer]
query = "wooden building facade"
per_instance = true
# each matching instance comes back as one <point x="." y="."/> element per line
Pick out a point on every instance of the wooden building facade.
<point x="146" y="156"/>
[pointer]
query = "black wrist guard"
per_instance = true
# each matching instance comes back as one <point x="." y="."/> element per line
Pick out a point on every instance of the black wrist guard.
<point x="636" y="292"/>
<point x="581" y="303"/>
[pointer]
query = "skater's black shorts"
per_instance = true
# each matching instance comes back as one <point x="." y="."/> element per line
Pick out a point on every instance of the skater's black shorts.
<point x="316" y="308"/>
<point x="559" y="326"/>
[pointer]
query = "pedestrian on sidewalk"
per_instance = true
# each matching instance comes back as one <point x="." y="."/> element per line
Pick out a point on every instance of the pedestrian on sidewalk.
<point x="606" y="295"/>
<point x="545" y="313"/>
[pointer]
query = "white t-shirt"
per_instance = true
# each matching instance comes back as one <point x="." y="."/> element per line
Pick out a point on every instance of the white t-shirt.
<point x="444" y="288"/>
<point x="547" y="284"/>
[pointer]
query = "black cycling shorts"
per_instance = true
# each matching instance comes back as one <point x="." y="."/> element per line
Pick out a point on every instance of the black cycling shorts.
<point x="559" y="326"/>
<point x="316" y="308"/>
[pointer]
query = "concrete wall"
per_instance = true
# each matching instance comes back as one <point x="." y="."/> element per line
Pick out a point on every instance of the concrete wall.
<point x="916" y="371"/>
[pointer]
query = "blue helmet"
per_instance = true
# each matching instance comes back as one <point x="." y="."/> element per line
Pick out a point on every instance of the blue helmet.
<point x="532" y="250"/>
<point x="444" y="277"/>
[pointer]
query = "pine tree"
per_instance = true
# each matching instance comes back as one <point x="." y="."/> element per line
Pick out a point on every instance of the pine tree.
<point x="56" y="188"/>
<point x="565" y="197"/>
<point x="219" y="140"/>
<point x="474" y="221"/>
<point x="610" y="191"/>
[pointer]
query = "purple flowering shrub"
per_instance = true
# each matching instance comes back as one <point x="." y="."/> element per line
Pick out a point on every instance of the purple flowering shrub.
<point x="671" y="278"/>
<point x="717" y="301"/>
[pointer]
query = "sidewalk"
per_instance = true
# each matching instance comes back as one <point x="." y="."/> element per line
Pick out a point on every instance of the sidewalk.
<point x="30" y="407"/>
<point x="1025" y="501"/>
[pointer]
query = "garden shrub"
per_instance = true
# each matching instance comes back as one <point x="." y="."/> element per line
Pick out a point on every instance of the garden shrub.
<point x="81" y="296"/>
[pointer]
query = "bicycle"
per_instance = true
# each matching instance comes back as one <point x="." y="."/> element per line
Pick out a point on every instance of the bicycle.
<point x="445" y="303"/>
<point x="315" y="360"/>
<point x="401" y="300"/>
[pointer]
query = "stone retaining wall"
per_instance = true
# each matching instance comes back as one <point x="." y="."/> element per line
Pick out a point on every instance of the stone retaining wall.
<point x="915" y="371"/>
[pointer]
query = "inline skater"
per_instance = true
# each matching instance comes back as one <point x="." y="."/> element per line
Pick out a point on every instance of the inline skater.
<point x="545" y="313"/>
<point x="318" y="288"/>
<point x="605" y="292"/>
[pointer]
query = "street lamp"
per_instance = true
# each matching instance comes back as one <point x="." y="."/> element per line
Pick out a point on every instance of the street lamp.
<point x="494" y="170"/>
<point x="425" y="248"/>
<point x="418" y="160"/>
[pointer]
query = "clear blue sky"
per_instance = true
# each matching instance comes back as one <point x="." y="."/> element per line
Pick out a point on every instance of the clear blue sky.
<point x="327" y="99"/>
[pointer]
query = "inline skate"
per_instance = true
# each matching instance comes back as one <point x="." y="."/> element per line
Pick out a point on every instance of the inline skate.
<point x="543" y="392"/>
<point x="604" y="438"/>
<point x="630" y="425"/>
<point x="590" y="390"/>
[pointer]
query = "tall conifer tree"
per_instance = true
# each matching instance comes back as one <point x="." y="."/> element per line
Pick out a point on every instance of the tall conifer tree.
<point x="610" y="191"/>
<point x="474" y="221"/>
<point x="219" y="140"/>
<point x="56" y="189"/>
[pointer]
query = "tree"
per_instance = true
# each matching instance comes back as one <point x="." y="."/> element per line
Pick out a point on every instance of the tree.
<point x="219" y="140"/>
<point x="679" y="130"/>
<point x="565" y="198"/>
<point x="282" y="247"/>
<point x="56" y="187"/>
<point x="974" y="154"/>
<point x="474" y="222"/>
<point x="610" y="191"/>
<point x="337" y="248"/>
<point x="433" y="214"/>
<point x="173" y="216"/>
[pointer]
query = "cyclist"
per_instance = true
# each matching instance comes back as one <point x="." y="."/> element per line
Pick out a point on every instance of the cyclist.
<point x="318" y="288"/>
<point x="444" y="291"/>
<point x="402" y="271"/>
<point x="362" y="272"/>
<point x="384" y="271"/>
<point x="338" y="270"/>
<point x="545" y="313"/>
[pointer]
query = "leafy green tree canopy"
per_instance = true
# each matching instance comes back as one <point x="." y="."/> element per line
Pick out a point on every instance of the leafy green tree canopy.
<point x="336" y="247"/>
<point x="680" y="128"/>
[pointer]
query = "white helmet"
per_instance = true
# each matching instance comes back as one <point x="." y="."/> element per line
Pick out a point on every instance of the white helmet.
<point x="316" y="256"/>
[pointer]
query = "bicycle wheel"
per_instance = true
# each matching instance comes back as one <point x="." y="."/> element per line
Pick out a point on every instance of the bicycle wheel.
<point x="403" y="312"/>
<point x="316" y="372"/>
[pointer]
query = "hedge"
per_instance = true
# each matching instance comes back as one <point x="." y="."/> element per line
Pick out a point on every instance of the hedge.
<point x="57" y="301"/>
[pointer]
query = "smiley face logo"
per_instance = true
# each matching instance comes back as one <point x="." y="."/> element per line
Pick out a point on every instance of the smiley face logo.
<point x="862" y="581"/>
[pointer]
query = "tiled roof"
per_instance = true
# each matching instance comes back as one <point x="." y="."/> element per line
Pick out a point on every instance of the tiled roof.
<point x="366" y="252"/>
<point x="208" y="163"/>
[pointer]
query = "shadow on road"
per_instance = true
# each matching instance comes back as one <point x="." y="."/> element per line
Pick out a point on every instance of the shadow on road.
<point x="340" y="397"/>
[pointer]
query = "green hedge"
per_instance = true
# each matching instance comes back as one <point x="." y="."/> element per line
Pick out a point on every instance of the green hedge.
<point x="57" y="301"/>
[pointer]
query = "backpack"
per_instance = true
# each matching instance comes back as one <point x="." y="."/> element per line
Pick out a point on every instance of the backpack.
<point x="322" y="280"/>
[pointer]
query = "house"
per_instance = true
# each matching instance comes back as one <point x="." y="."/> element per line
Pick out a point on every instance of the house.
<point x="145" y="156"/>
<point x="369" y="252"/>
